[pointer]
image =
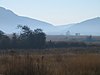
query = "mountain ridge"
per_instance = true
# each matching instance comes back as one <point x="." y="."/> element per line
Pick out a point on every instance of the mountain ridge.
<point x="9" y="21"/>
<point x="8" y="18"/>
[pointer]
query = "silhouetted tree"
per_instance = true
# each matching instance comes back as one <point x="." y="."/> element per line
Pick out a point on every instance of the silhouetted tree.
<point x="14" y="41"/>
<point x="1" y="33"/>
<point x="4" y="41"/>
<point x="24" y="36"/>
<point x="40" y="38"/>
<point x="32" y="39"/>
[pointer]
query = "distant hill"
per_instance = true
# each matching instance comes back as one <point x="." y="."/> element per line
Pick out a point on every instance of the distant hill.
<point x="88" y="27"/>
<point x="9" y="22"/>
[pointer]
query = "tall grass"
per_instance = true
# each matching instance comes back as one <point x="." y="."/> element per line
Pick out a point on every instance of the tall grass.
<point x="50" y="64"/>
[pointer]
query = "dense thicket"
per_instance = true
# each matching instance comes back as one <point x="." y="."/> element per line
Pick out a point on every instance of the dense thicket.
<point x="27" y="39"/>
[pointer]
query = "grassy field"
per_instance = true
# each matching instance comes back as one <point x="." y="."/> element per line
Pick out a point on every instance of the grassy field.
<point x="70" y="61"/>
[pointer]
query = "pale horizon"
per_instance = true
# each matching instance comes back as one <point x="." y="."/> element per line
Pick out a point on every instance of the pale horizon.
<point x="58" y="12"/>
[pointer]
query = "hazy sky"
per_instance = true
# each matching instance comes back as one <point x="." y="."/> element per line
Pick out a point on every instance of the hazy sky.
<point x="57" y="12"/>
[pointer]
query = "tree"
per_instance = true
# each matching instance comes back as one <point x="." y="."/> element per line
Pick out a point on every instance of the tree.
<point x="40" y="38"/>
<point x="24" y="36"/>
<point x="1" y="33"/>
<point x="27" y="39"/>
<point x="14" y="41"/>
<point x="32" y="39"/>
<point x="5" y="42"/>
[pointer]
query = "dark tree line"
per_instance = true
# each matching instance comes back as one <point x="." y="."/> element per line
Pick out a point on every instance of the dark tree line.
<point x="64" y="44"/>
<point x="27" y="39"/>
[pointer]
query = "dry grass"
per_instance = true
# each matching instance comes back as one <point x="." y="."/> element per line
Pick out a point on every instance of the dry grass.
<point x="50" y="64"/>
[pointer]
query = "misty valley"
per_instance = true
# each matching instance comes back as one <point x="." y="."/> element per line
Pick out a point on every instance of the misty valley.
<point x="33" y="47"/>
